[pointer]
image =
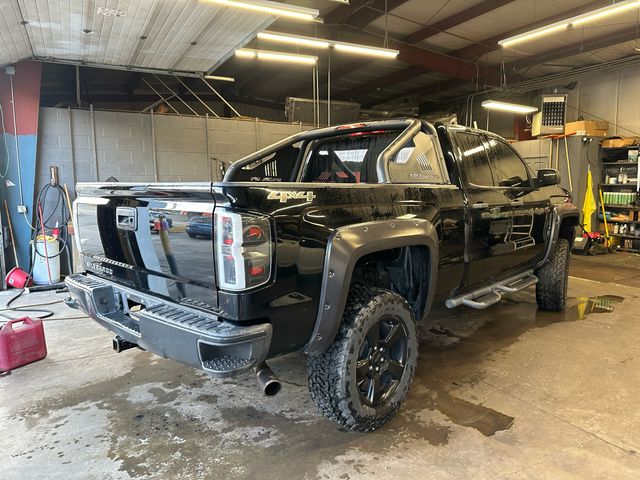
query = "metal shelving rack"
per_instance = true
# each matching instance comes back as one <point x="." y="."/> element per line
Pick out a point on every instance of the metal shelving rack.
<point x="615" y="161"/>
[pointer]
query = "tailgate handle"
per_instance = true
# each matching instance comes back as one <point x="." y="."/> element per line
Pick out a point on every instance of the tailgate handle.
<point x="127" y="218"/>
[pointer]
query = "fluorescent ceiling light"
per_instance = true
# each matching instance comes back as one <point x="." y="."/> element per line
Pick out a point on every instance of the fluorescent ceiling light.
<point x="271" y="8"/>
<point x="276" y="56"/>
<point x="364" y="50"/>
<point x="294" y="39"/>
<point x="508" y="107"/>
<point x="324" y="43"/>
<point x="530" y="35"/>
<point x="571" y="22"/>
<point x="219" y="78"/>
<point x="605" y="12"/>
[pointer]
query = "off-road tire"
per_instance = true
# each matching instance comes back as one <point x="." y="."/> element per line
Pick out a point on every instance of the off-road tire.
<point x="553" y="276"/>
<point x="332" y="374"/>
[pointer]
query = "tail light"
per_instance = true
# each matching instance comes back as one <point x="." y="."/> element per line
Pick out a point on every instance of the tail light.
<point x="243" y="250"/>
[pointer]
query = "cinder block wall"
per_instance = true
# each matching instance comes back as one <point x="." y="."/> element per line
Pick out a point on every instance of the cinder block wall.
<point x="122" y="145"/>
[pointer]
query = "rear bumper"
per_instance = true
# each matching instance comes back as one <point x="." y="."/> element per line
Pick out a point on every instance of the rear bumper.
<point x="172" y="331"/>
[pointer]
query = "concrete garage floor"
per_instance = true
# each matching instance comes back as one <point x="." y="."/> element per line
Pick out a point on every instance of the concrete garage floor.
<point x="509" y="392"/>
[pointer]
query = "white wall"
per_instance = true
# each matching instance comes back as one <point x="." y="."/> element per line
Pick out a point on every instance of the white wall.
<point x="611" y="96"/>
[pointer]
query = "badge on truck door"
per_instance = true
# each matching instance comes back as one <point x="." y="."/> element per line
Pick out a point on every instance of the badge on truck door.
<point x="286" y="195"/>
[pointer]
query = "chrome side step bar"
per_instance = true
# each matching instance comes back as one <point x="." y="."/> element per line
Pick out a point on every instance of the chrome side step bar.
<point x="492" y="294"/>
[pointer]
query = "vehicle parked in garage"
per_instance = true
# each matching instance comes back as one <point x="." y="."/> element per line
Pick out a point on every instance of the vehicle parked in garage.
<point x="335" y="242"/>
<point x="199" y="226"/>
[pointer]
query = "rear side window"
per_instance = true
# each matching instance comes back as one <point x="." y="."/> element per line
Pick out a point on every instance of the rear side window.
<point x="276" y="167"/>
<point x="475" y="161"/>
<point x="346" y="159"/>
<point x="508" y="168"/>
<point x="417" y="162"/>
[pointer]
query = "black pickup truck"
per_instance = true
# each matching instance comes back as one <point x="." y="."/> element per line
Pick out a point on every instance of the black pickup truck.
<point x="334" y="242"/>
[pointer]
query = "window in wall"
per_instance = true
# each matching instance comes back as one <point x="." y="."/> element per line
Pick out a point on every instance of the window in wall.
<point x="508" y="167"/>
<point x="417" y="162"/>
<point x="474" y="159"/>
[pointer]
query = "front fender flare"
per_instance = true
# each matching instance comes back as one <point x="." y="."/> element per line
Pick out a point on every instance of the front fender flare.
<point x="345" y="247"/>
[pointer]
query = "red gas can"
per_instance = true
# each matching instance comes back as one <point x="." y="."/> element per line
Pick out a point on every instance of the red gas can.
<point x="21" y="344"/>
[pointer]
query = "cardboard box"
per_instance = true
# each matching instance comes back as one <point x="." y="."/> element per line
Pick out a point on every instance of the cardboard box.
<point x="617" y="142"/>
<point x="590" y="128"/>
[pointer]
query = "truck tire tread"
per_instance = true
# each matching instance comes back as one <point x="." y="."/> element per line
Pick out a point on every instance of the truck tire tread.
<point x="326" y="371"/>
<point x="551" y="289"/>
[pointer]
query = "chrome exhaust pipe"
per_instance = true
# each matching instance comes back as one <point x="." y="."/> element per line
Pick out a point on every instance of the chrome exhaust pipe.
<point x="267" y="381"/>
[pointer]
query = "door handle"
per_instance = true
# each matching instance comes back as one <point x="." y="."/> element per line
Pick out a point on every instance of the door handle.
<point x="516" y="203"/>
<point x="480" y="205"/>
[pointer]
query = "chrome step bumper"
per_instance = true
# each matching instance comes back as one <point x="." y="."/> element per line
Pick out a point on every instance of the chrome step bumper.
<point x="187" y="335"/>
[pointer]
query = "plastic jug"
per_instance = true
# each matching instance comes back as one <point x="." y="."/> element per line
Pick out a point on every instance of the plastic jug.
<point x="21" y="342"/>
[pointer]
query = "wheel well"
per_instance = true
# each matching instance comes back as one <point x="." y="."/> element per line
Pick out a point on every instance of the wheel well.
<point x="403" y="270"/>
<point x="567" y="229"/>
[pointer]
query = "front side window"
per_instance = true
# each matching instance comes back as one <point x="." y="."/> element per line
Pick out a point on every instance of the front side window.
<point x="349" y="158"/>
<point x="508" y="167"/>
<point x="417" y="162"/>
<point x="475" y="161"/>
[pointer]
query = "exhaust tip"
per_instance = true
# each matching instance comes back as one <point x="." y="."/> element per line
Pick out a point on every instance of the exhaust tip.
<point x="267" y="381"/>
<point x="272" y="388"/>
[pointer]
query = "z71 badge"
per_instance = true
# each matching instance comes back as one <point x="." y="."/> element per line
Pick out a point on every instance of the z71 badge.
<point x="286" y="195"/>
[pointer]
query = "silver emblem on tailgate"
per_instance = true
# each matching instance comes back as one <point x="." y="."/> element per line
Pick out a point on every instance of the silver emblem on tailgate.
<point x="126" y="218"/>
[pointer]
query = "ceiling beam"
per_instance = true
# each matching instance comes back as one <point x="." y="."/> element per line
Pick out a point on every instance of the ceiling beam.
<point x="577" y="48"/>
<point x="433" y="88"/>
<point x="422" y="34"/>
<point x="487" y="45"/>
<point x="455" y="20"/>
<point x="490" y="44"/>
<point x="362" y="90"/>
<point x="341" y="13"/>
<point x="372" y="12"/>
<point x="53" y="98"/>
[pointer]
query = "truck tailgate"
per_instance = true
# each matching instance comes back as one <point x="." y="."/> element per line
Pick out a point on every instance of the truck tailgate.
<point x="153" y="237"/>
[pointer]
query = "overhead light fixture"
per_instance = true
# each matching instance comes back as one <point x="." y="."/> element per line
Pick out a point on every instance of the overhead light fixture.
<point x="365" y="50"/>
<point x="605" y="12"/>
<point x="571" y="22"/>
<point x="324" y="43"/>
<point x="293" y="39"/>
<point x="272" y="8"/>
<point x="530" y="35"/>
<point x="219" y="78"/>
<point x="508" y="107"/>
<point x="276" y="56"/>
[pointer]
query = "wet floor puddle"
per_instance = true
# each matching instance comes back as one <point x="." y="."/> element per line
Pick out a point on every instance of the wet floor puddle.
<point x="599" y="304"/>
<point x="486" y="420"/>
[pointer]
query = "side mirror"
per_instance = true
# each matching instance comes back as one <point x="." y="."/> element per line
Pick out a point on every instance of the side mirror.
<point x="547" y="177"/>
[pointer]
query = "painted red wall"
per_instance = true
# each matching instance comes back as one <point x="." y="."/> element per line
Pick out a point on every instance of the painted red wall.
<point x="26" y="86"/>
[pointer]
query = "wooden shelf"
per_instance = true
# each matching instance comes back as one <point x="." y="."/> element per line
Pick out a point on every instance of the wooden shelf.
<point x="632" y="250"/>
<point x="611" y="164"/>
<point x="627" y="185"/>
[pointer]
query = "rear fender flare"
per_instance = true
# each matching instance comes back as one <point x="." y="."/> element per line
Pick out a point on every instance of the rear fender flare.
<point x="345" y="247"/>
